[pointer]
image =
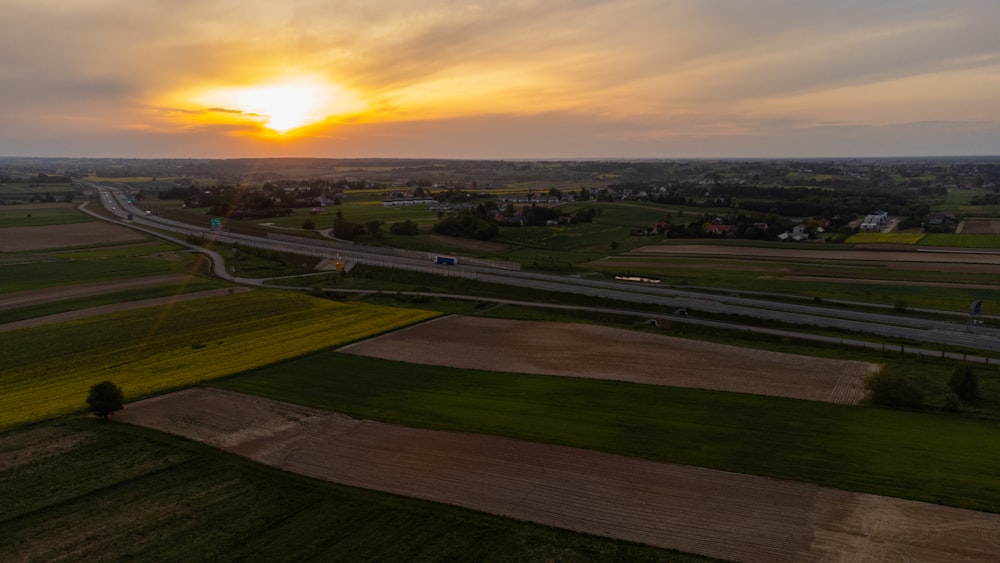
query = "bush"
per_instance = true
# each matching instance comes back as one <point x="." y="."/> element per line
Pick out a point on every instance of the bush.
<point x="896" y="390"/>
<point x="964" y="383"/>
<point x="952" y="403"/>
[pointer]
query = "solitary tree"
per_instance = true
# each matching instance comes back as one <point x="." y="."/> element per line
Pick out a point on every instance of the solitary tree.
<point x="105" y="398"/>
<point x="964" y="383"/>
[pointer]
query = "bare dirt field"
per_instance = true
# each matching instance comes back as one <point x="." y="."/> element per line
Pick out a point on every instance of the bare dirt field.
<point x="582" y="350"/>
<point x="979" y="227"/>
<point x="714" y="513"/>
<point x="16" y="239"/>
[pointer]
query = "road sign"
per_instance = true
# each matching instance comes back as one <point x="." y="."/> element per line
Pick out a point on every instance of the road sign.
<point x="976" y="308"/>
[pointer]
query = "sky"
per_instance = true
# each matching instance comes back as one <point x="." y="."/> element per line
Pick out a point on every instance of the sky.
<point x="522" y="79"/>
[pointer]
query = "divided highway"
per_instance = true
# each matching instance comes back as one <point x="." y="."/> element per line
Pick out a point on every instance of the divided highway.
<point x="896" y="327"/>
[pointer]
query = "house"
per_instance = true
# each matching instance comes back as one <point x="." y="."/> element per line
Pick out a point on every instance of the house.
<point x="874" y="222"/>
<point x="719" y="230"/>
<point x="938" y="218"/>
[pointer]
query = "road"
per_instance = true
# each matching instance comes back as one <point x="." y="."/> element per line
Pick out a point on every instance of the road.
<point x="888" y="326"/>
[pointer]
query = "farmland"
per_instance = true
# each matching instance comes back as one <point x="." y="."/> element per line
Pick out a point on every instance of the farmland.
<point x="41" y="214"/>
<point x="885" y="238"/>
<point x="948" y="281"/>
<point x="728" y="515"/>
<point x="58" y="269"/>
<point x="84" y="490"/>
<point x="669" y="401"/>
<point x="66" y="236"/>
<point x="900" y="454"/>
<point x="581" y="350"/>
<point x="171" y="346"/>
<point x="31" y="304"/>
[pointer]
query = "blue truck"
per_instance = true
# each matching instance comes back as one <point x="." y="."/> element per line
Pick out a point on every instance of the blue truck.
<point x="446" y="260"/>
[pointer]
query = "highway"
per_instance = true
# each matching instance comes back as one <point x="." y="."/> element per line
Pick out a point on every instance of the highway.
<point x="890" y="326"/>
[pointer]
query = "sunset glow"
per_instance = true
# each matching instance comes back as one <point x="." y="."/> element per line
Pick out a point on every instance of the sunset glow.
<point x="530" y="79"/>
<point x="281" y="106"/>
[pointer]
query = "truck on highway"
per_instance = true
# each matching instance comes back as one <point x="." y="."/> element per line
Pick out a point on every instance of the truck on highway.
<point x="446" y="260"/>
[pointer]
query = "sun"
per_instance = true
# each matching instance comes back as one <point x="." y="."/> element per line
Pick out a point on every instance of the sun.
<point x="280" y="106"/>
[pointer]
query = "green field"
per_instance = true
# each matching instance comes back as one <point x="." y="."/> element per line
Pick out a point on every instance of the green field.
<point x="113" y="492"/>
<point x="959" y="201"/>
<point x="154" y="247"/>
<point x="962" y="240"/>
<point x="49" y="368"/>
<point x="64" y="305"/>
<point x="35" y="188"/>
<point x="41" y="214"/>
<point x="51" y="270"/>
<point x="921" y="456"/>
<point x="862" y="281"/>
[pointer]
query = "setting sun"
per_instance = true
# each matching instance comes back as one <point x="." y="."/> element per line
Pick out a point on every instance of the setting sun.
<point x="280" y="106"/>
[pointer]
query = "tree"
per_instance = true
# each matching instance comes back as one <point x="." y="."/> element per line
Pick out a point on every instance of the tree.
<point x="105" y="398"/>
<point x="308" y="225"/>
<point x="895" y="390"/>
<point x="964" y="383"/>
<point x="404" y="228"/>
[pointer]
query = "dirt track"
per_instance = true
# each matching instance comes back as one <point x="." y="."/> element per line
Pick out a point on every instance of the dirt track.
<point x="582" y="350"/>
<point x="714" y="513"/>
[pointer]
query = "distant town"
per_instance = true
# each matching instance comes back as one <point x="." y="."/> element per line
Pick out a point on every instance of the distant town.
<point x="782" y="200"/>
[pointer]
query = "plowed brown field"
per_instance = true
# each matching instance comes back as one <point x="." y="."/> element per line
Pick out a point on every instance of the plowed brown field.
<point x="16" y="239"/>
<point x="714" y="513"/>
<point x="980" y="226"/>
<point x="582" y="350"/>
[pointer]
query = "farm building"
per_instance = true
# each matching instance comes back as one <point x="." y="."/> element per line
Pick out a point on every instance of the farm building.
<point x="874" y="222"/>
<point x="397" y="202"/>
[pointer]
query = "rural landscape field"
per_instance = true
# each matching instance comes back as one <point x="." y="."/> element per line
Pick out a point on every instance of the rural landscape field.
<point x="310" y="406"/>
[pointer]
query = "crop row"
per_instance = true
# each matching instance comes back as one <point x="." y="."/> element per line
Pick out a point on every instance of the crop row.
<point x="166" y="347"/>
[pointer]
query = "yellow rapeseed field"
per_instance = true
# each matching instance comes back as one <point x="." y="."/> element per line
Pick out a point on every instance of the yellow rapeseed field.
<point x="49" y="369"/>
<point x="886" y="238"/>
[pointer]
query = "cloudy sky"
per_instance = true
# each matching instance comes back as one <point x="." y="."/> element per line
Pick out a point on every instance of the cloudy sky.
<point x="516" y="79"/>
